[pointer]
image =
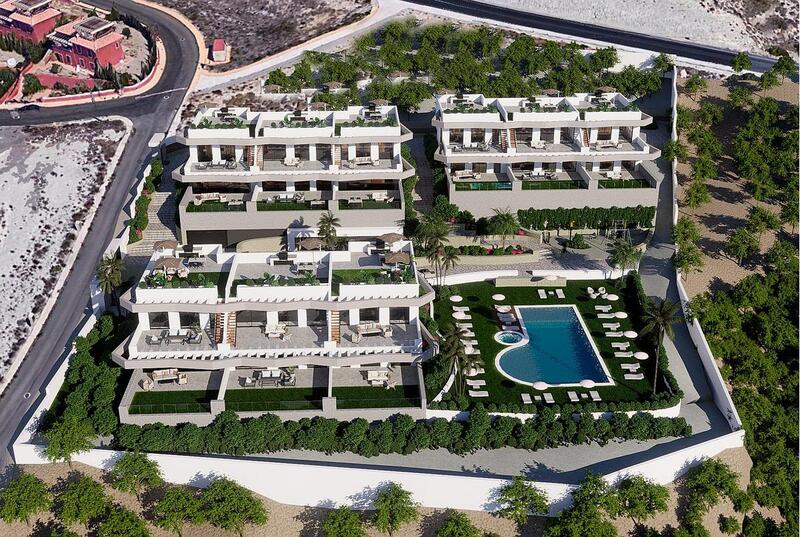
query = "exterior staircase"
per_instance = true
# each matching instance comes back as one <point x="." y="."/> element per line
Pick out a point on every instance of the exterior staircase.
<point x="161" y="221"/>
<point x="230" y="328"/>
<point x="219" y="320"/>
<point x="503" y="140"/>
<point x="337" y="156"/>
<point x="335" y="331"/>
<point x="585" y="133"/>
<point x="513" y="133"/>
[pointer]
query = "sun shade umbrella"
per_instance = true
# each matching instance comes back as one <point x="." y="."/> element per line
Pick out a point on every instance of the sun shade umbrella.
<point x="394" y="258"/>
<point x="551" y="92"/>
<point x="390" y="238"/>
<point x="630" y="334"/>
<point x="587" y="383"/>
<point x="540" y="385"/>
<point x="168" y="263"/>
<point x="311" y="243"/>
<point x="379" y="102"/>
<point x="498" y="297"/>
<point x="165" y="245"/>
<point x="456" y="298"/>
<point x="620" y="315"/>
<point x="639" y="355"/>
<point x="606" y="89"/>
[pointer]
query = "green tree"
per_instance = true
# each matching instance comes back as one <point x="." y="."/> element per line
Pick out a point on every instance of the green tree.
<point x="134" y="472"/>
<point x="585" y="516"/>
<point x="109" y="275"/>
<point x="175" y="508"/>
<point x="457" y="524"/>
<point x="519" y="498"/>
<point x="695" y="85"/>
<point x="703" y="168"/>
<point x="22" y="497"/>
<point x="503" y="223"/>
<point x="767" y="81"/>
<point x="688" y="259"/>
<point x="393" y="508"/>
<point x="658" y="318"/>
<point x="663" y="62"/>
<point x="604" y="59"/>
<point x="449" y="260"/>
<point x="326" y="228"/>
<point x="729" y="525"/>
<point x="66" y="437"/>
<point x="740" y="97"/>
<point x="675" y="149"/>
<point x="785" y="66"/>
<point x="741" y="243"/>
<point x="122" y="522"/>
<point x="31" y="85"/>
<point x="685" y="231"/>
<point x="697" y="194"/>
<point x="761" y="220"/>
<point x="624" y="255"/>
<point x="741" y="62"/>
<point x="640" y="498"/>
<point x="343" y="522"/>
<point x="82" y="501"/>
<point x="229" y="506"/>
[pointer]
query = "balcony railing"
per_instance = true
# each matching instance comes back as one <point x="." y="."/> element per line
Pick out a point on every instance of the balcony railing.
<point x="369" y="204"/>
<point x="216" y="207"/>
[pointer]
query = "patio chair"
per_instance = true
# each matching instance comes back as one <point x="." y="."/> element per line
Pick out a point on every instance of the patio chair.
<point x="560" y="294"/>
<point x="468" y="333"/>
<point x="573" y="397"/>
<point x="469" y="342"/>
<point x="634" y="376"/>
<point x="475" y="372"/>
<point x="548" y="398"/>
<point x="542" y="294"/>
<point x="472" y="351"/>
<point x="478" y="393"/>
<point x="595" y="396"/>
<point x="602" y="290"/>
<point x="526" y="399"/>
<point x="194" y="338"/>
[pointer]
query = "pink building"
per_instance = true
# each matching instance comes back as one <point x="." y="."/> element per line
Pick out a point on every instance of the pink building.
<point x="87" y="43"/>
<point x="30" y="20"/>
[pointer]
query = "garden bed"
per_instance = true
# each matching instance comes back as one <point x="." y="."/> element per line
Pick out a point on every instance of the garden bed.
<point x="376" y="397"/>
<point x="171" y="402"/>
<point x="262" y="400"/>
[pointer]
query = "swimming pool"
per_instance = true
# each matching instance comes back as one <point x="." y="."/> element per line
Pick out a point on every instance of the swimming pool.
<point x="557" y="349"/>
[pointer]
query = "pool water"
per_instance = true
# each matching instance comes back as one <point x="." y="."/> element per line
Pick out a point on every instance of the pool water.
<point x="507" y="337"/>
<point x="557" y="350"/>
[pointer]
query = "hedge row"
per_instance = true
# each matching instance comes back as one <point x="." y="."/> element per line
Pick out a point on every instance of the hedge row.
<point x="230" y="435"/>
<point x="140" y="220"/>
<point x="587" y="218"/>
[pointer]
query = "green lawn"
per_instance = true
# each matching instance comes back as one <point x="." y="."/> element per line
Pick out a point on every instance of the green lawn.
<point x="376" y="397"/>
<point x="172" y="401"/>
<point x="288" y="206"/>
<point x="624" y="183"/>
<point x="552" y="185"/>
<point x="502" y="390"/>
<point x="264" y="399"/>
<point x="370" y="204"/>
<point x="212" y="206"/>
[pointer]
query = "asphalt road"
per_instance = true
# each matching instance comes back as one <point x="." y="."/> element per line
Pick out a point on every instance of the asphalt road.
<point x="590" y="31"/>
<point x="150" y="113"/>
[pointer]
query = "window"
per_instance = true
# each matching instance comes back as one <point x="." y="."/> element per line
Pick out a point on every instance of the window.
<point x="80" y="62"/>
<point x="566" y="135"/>
<point x="363" y="150"/>
<point x="398" y="315"/>
<point x="604" y="133"/>
<point x="524" y="135"/>
<point x="274" y="152"/>
<point x="385" y="151"/>
<point x="301" y="152"/>
<point x="91" y="66"/>
<point x="316" y="318"/>
<point x="369" y="314"/>
<point x="204" y="153"/>
<point x="58" y="57"/>
<point x="478" y="136"/>
<point x="324" y="153"/>
<point x="606" y="166"/>
<point x="456" y="136"/>
<point x="251" y="318"/>
<point x="159" y="320"/>
<point x="227" y="152"/>
<point x="547" y="135"/>
<point x="479" y="167"/>
<point x="190" y="320"/>
<point x="288" y="317"/>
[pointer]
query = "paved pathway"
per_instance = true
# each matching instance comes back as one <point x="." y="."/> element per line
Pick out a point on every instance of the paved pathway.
<point x="161" y="223"/>
<point x="424" y="187"/>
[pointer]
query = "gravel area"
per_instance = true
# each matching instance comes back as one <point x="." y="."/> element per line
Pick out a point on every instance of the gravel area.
<point x="48" y="178"/>
<point x="734" y="24"/>
<point x="730" y="203"/>
<point x="256" y="29"/>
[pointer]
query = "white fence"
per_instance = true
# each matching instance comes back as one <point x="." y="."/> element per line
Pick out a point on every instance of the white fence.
<point x="720" y="392"/>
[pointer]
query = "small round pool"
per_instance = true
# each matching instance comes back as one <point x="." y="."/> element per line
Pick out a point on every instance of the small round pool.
<point x="507" y="337"/>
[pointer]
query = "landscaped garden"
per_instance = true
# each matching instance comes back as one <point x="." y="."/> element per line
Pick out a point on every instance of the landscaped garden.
<point x="376" y="396"/>
<point x="173" y="401"/>
<point x="371" y="276"/>
<point x="265" y="399"/>
<point x="505" y="394"/>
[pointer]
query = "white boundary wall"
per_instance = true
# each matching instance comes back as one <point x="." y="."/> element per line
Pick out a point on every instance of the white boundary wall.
<point x="720" y="392"/>
<point x="486" y="275"/>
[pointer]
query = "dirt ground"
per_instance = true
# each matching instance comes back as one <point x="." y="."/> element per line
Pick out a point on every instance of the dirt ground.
<point x="256" y="29"/>
<point x="287" y="520"/>
<point x="731" y="202"/>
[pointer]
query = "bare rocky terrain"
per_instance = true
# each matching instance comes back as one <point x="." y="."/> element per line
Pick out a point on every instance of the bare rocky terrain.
<point x="258" y="28"/>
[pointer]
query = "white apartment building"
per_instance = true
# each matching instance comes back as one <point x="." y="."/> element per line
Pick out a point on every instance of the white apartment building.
<point x="261" y="175"/>
<point x="585" y="150"/>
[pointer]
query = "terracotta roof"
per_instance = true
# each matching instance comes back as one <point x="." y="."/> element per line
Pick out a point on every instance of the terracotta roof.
<point x="311" y="243"/>
<point x="218" y="45"/>
<point x="97" y="44"/>
<point x="44" y="15"/>
<point x="168" y="263"/>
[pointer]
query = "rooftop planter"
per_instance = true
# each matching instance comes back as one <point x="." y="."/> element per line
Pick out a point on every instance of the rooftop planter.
<point x="207" y="123"/>
<point x="344" y="128"/>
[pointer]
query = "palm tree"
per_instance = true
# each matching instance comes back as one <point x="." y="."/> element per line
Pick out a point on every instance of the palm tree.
<point x="434" y="257"/>
<point x="503" y="223"/>
<point x="448" y="260"/>
<point x="452" y="350"/>
<point x="433" y="232"/>
<point x="109" y="275"/>
<point x="326" y="228"/>
<point x="660" y="317"/>
<point x="624" y="255"/>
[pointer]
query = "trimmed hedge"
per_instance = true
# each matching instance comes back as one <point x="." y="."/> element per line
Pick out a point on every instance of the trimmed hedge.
<point x="401" y="434"/>
<point x="586" y="218"/>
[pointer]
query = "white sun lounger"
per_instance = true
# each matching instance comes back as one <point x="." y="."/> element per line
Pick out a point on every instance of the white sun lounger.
<point x="626" y="354"/>
<point x="461" y="316"/>
<point x="621" y="346"/>
<point x="573" y="397"/>
<point x="542" y="294"/>
<point x="469" y="342"/>
<point x="603" y="308"/>
<point x="511" y="328"/>
<point x="634" y="376"/>
<point x="467" y="333"/>
<point x="476" y="393"/>
<point x="464" y="325"/>
<point x="477" y="371"/>
<point x="460" y="308"/>
<point x="526" y="399"/>
<point x="605" y="315"/>
<point x="614" y="334"/>
<point x="506" y="318"/>
<point x="560" y="294"/>
<point x="476" y="383"/>
<point x="611" y="326"/>
<point x="602" y="290"/>
<point x="472" y="351"/>
<point x="630" y="367"/>
<point x="590" y="291"/>
<point x="548" y="398"/>
<point x="595" y="396"/>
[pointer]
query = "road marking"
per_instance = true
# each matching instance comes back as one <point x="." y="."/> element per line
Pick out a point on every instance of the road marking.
<point x="159" y="93"/>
